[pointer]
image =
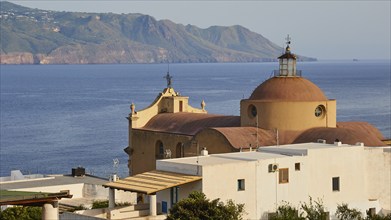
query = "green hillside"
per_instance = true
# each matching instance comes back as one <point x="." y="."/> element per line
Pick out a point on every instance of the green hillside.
<point x="50" y="37"/>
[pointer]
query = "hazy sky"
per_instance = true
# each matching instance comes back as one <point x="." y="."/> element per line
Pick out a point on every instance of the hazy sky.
<point x="323" y="29"/>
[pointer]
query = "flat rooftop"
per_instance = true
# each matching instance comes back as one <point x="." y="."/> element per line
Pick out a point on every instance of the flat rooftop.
<point x="215" y="159"/>
<point x="52" y="180"/>
<point x="301" y="149"/>
<point x="262" y="153"/>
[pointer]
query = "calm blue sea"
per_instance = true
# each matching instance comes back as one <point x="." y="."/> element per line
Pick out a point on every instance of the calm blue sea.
<point x="55" y="117"/>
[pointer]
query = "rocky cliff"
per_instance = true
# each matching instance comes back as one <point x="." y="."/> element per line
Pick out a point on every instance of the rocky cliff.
<point x="33" y="36"/>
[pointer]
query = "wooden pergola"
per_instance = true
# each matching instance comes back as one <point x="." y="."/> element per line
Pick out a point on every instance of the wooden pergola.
<point x="152" y="181"/>
<point x="149" y="183"/>
<point x="48" y="201"/>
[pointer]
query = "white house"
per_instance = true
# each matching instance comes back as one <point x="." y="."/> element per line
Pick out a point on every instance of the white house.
<point x="335" y="173"/>
<point x="83" y="188"/>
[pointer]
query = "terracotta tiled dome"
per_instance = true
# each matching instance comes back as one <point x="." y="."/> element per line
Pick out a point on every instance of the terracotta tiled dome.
<point x="288" y="89"/>
<point x="346" y="132"/>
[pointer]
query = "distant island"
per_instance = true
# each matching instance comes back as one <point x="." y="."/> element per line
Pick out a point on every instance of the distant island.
<point x="34" y="36"/>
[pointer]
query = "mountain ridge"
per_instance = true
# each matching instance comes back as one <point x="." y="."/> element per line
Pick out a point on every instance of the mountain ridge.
<point x="35" y="36"/>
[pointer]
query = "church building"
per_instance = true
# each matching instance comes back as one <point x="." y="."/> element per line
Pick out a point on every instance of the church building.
<point x="285" y="109"/>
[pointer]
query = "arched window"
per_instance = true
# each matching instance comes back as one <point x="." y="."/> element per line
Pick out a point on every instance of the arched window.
<point x="252" y="111"/>
<point x="179" y="150"/>
<point x="159" y="150"/>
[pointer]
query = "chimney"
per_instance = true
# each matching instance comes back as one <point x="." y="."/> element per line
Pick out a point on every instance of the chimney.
<point x="322" y="141"/>
<point x="78" y="172"/>
<point x="114" y="178"/>
<point x="204" y="152"/>
<point x="360" y="144"/>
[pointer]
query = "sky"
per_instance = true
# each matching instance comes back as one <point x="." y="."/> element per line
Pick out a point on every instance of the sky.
<point x="325" y="29"/>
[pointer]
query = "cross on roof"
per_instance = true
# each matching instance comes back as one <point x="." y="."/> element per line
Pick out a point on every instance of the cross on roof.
<point x="168" y="78"/>
<point x="288" y="40"/>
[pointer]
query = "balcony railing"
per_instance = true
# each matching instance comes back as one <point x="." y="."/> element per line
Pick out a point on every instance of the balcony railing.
<point x="277" y="73"/>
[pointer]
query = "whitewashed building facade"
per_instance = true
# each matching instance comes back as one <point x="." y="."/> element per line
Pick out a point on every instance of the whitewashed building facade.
<point x="334" y="173"/>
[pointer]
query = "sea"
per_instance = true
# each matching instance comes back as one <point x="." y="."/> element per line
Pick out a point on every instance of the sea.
<point x="57" y="117"/>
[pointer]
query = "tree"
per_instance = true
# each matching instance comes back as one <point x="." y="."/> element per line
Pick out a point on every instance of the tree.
<point x="20" y="212"/>
<point x="197" y="206"/>
<point x="345" y="213"/>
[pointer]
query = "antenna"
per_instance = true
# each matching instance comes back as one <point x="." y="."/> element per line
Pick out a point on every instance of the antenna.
<point x="257" y="132"/>
<point x="198" y="157"/>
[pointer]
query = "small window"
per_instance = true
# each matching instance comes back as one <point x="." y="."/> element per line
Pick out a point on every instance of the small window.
<point x="297" y="166"/>
<point x="335" y="183"/>
<point x="320" y="110"/>
<point x="241" y="185"/>
<point x="283" y="175"/>
<point x="252" y="111"/>
<point x="178" y="150"/>
<point x="159" y="150"/>
<point x="371" y="212"/>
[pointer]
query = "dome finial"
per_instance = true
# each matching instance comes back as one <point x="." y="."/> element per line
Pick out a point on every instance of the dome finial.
<point x="203" y="105"/>
<point x="132" y="108"/>
<point x="287" y="61"/>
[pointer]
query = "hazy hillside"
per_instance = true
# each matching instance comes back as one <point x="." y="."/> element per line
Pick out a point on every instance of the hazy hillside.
<point x="50" y="37"/>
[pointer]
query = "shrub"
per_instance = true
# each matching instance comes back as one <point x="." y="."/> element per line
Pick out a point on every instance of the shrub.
<point x="345" y="213"/>
<point x="286" y="212"/>
<point x="314" y="210"/>
<point x="379" y="217"/>
<point x="99" y="204"/>
<point x="79" y="207"/>
<point x="197" y="206"/>
<point x="20" y="212"/>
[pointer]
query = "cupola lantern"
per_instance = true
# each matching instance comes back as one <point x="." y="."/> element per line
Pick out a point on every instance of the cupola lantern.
<point x="287" y="61"/>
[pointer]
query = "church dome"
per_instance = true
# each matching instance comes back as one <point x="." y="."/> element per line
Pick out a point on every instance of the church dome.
<point x="288" y="89"/>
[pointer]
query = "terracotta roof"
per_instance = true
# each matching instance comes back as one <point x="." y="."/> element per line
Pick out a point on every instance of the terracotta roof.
<point x="189" y="123"/>
<point x="242" y="137"/>
<point x="288" y="89"/>
<point x="363" y="126"/>
<point x="346" y="132"/>
<point x="287" y="55"/>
